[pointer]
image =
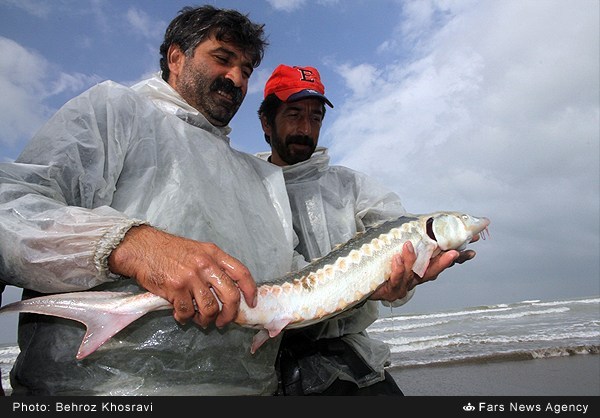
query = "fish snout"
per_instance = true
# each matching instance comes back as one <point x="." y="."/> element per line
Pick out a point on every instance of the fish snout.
<point x="482" y="227"/>
<point x="454" y="231"/>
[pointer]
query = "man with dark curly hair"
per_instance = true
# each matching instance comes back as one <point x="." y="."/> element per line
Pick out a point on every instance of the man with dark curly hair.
<point x="137" y="188"/>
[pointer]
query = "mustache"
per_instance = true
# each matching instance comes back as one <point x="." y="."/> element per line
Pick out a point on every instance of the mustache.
<point x="226" y="86"/>
<point x="300" y="140"/>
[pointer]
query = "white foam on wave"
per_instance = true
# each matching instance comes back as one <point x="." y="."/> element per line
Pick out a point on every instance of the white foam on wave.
<point x="443" y="314"/>
<point x="527" y="313"/>
<point x="8" y="355"/>
<point x="568" y="302"/>
<point x="403" y="344"/>
<point x="564" y="351"/>
<point x="405" y="327"/>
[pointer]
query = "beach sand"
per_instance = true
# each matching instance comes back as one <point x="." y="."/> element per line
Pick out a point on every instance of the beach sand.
<point x="577" y="375"/>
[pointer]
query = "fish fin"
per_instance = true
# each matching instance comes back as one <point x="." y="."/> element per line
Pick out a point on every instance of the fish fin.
<point x="424" y="252"/>
<point x="271" y="330"/>
<point x="100" y="327"/>
<point x="275" y="327"/>
<point x="102" y="321"/>
<point x="259" y="339"/>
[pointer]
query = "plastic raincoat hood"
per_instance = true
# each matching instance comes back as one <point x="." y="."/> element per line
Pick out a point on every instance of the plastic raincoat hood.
<point x="112" y="158"/>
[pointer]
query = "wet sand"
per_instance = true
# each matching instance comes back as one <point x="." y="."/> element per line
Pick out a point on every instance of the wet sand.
<point x="577" y="375"/>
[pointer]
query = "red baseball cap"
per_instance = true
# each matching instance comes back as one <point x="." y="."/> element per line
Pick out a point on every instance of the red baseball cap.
<point x="291" y="84"/>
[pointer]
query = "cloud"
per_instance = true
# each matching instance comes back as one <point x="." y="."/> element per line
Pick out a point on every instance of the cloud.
<point x="258" y="80"/>
<point x="360" y="79"/>
<point x="36" y="8"/>
<point x="286" y="5"/>
<point x="292" y="5"/>
<point x="27" y="81"/>
<point x="21" y="82"/>
<point x="144" y="25"/>
<point x="495" y="112"/>
<point x="498" y="86"/>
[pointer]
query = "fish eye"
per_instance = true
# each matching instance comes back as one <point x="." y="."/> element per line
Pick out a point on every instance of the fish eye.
<point x="429" y="227"/>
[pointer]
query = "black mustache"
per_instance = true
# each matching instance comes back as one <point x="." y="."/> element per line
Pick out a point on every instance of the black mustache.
<point x="226" y="86"/>
<point x="300" y="140"/>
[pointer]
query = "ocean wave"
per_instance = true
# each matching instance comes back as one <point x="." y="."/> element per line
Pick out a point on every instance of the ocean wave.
<point x="526" y="313"/>
<point x="534" y="337"/>
<point x="565" y="351"/>
<point x="476" y="311"/>
<point x="512" y="355"/>
<point x="8" y="355"/>
<point x="376" y="328"/>
<point x="479" y="308"/>
<point x="568" y="302"/>
<point x="8" y="349"/>
<point x="424" y="343"/>
<point x="529" y="302"/>
<point x="405" y="345"/>
<point x="488" y="309"/>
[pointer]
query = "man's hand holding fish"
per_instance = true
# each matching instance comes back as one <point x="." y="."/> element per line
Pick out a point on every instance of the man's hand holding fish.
<point x="200" y="280"/>
<point x="403" y="279"/>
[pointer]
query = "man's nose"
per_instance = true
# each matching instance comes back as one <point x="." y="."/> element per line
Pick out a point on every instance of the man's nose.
<point x="236" y="75"/>
<point x="304" y="126"/>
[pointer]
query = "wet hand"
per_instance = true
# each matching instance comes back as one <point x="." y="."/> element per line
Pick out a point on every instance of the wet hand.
<point x="200" y="280"/>
<point x="403" y="279"/>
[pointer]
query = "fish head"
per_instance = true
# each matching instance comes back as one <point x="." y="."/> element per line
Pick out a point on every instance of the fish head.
<point x="454" y="230"/>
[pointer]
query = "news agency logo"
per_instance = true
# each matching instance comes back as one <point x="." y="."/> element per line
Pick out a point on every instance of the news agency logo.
<point x="468" y="407"/>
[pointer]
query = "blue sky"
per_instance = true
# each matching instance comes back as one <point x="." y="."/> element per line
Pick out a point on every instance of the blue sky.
<point x="488" y="107"/>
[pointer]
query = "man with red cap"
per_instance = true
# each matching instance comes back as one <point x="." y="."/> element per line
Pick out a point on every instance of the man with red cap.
<point x="331" y="204"/>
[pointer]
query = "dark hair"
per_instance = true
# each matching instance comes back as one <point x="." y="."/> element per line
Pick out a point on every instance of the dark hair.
<point x="195" y="24"/>
<point x="268" y="108"/>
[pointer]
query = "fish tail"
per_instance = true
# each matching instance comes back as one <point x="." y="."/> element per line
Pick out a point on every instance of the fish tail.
<point x="101" y="322"/>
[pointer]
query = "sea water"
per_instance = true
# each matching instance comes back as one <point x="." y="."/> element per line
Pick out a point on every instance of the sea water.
<point x="529" y="329"/>
<point x="525" y="330"/>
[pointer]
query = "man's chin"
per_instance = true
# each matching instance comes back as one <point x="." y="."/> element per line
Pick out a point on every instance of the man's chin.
<point x="224" y="109"/>
<point x="300" y="149"/>
<point x="298" y="157"/>
<point x="221" y="118"/>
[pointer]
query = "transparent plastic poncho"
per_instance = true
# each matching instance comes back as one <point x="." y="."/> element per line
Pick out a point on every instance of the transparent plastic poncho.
<point x="112" y="158"/>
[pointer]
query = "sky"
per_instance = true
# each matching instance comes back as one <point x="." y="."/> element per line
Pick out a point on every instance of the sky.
<point x="486" y="107"/>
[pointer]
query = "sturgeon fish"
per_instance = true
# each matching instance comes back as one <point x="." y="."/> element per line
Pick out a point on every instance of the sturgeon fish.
<point x="326" y="287"/>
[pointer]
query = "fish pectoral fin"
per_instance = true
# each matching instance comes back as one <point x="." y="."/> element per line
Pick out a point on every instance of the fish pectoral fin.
<point x="271" y="330"/>
<point x="424" y="250"/>
<point x="275" y="327"/>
